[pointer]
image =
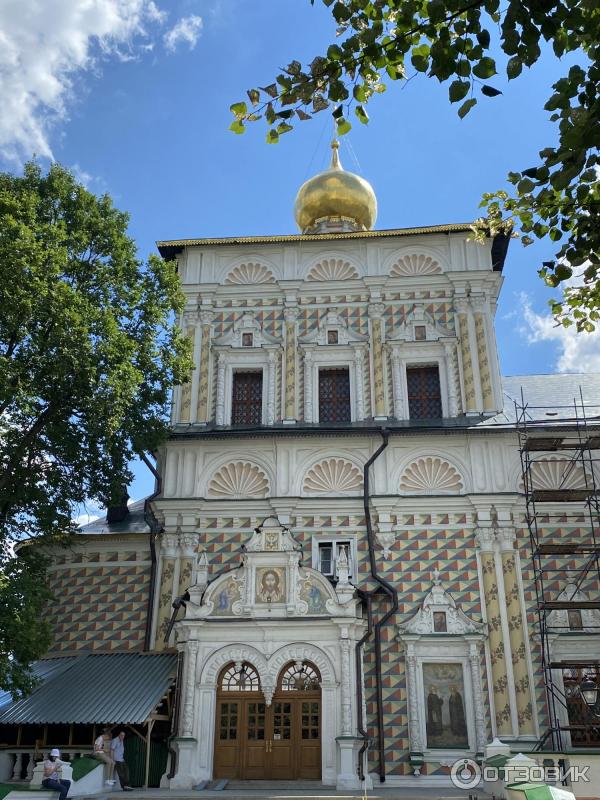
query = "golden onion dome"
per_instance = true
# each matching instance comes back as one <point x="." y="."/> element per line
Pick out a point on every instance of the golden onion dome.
<point x="335" y="200"/>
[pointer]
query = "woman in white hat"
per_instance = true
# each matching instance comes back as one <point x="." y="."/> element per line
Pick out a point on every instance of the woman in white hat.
<point x="52" y="773"/>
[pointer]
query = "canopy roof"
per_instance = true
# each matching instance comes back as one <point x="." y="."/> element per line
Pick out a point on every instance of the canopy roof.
<point x="111" y="688"/>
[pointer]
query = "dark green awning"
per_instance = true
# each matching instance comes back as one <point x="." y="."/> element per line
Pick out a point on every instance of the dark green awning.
<point x="110" y="688"/>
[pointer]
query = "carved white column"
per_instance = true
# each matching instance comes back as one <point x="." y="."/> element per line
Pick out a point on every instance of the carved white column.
<point x="220" y="411"/>
<point x="271" y="388"/>
<point x="187" y="718"/>
<point x="376" y="312"/>
<point x="474" y="357"/>
<point x="30" y="767"/>
<point x="397" y="385"/>
<point x="414" y="729"/>
<point x="359" y="383"/>
<point x="475" y="665"/>
<point x="308" y="387"/>
<point x="346" y="697"/>
<point x="451" y="379"/>
<point x="203" y="403"/>
<point x="18" y="766"/>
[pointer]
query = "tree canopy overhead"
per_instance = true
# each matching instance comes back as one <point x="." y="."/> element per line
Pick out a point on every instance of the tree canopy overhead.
<point x="88" y="350"/>
<point x="379" y="42"/>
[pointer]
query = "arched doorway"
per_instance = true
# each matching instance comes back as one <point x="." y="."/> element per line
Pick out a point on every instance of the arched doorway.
<point x="254" y="741"/>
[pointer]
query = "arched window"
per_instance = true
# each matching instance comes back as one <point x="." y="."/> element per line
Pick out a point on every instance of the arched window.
<point x="239" y="678"/>
<point x="299" y="676"/>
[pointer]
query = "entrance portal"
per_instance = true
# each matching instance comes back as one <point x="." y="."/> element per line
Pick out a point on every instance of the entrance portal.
<point x="254" y="741"/>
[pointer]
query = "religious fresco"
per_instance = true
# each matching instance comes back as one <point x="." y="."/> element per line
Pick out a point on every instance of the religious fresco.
<point x="313" y="597"/>
<point x="270" y="585"/>
<point x="225" y="598"/>
<point x="444" y="694"/>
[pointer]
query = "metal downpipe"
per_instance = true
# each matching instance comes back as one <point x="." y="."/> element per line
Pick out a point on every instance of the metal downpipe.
<point x="390" y="591"/>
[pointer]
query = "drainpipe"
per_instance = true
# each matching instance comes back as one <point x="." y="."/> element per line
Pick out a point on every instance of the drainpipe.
<point x="366" y="597"/>
<point x="392" y="594"/>
<point x="155" y="529"/>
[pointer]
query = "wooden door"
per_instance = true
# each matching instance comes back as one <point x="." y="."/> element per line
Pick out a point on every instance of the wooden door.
<point x="282" y="735"/>
<point x="227" y="739"/>
<point x="309" y="739"/>
<point x="254" y="741"/>
<point x="254" y="755"/>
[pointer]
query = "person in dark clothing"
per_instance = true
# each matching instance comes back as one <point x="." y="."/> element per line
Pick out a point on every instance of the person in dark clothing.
<point x="117" y="749"/>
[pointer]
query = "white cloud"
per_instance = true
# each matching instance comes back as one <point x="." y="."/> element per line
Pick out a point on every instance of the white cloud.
<point x="44" y="45"/>
<point x="577" y="352"/>
<point x="89" y="512"/>
<point x="186" y="31"/>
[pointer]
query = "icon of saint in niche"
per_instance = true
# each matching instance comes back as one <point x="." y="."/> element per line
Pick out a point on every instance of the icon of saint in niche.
<point x="458" y="724"/>
<point x="270" y="590"/>
<point x="434" y="712"/>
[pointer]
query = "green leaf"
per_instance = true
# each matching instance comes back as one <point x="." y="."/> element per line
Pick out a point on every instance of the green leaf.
<point x="361" y="114"/>
<point x="343" y="126"/>
<point x="239" y="110"/>
<point x="458" y="90"/>
<point x="237" y="126"/>
<point x="485" y="68"/>
<point x="302" y="114"/>
<point x="272" y="136"/>
<point x="254" y="96"/>
<point x="341" y="12"/>
<point x="338" y="112"/>
<point x="489" y="91"/>
<point x="483" y="37"/>
<point x="271" y="90"/>
<point x="514" y="68"/>
<point x="466" y="107"/>
<point x="283" y="127"/>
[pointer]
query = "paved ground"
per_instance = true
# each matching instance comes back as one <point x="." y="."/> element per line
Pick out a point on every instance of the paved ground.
<point x="311" y="790"/>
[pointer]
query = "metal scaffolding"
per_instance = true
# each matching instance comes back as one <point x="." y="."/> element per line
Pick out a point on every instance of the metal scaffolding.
<point x="560" y="458"/>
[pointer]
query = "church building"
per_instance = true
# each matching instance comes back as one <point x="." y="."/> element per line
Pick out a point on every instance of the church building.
<point x="368" y="555"/>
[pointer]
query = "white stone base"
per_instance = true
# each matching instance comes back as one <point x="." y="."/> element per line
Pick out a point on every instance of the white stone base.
<point x="188" y="774"/>
<point x="347" y="777"/>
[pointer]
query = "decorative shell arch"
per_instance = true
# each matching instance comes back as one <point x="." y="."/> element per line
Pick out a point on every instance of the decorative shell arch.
<point x="552" y="473"/>
<point x="431" y="475"/>
<point x="250" y="273"/>
<point x="413" y="264"/>
<point x="332" y="476"/>
<point x="239" y="479"/>
<point x="332" y="269"/>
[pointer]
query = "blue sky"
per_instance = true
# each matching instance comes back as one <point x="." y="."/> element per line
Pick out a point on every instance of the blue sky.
<point x="134" y="96"/>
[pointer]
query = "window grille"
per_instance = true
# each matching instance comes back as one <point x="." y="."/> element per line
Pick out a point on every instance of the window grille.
<point x="246" y="400"/>
<point x="424" y="393"/>
<point x="334" y="395"/>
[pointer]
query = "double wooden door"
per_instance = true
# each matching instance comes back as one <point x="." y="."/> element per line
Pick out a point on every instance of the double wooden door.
<point x="254" y="741"/>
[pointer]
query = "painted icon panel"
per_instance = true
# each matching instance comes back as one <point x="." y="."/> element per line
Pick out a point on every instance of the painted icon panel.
<point x="444" y="690"/>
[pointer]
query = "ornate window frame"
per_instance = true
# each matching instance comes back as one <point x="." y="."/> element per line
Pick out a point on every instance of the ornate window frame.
<point x="437" y="349"/>
<point x="350" y="351"/>
<point x="461" y="643"/>
<point x="231" y="355"/>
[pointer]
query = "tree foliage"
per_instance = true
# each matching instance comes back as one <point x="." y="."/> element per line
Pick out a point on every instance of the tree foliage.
<point x="88" y="350"/>
<point x="456" y="41"/>
<point x="24" y="633"/>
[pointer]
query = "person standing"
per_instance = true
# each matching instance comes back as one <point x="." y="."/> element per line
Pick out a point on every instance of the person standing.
<point x="117" y="749"/>
<point x="52" y="773"/>
<point x="102" y="752"/>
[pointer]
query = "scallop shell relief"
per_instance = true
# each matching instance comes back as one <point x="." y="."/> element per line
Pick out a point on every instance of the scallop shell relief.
<point x="239" y="479"/>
